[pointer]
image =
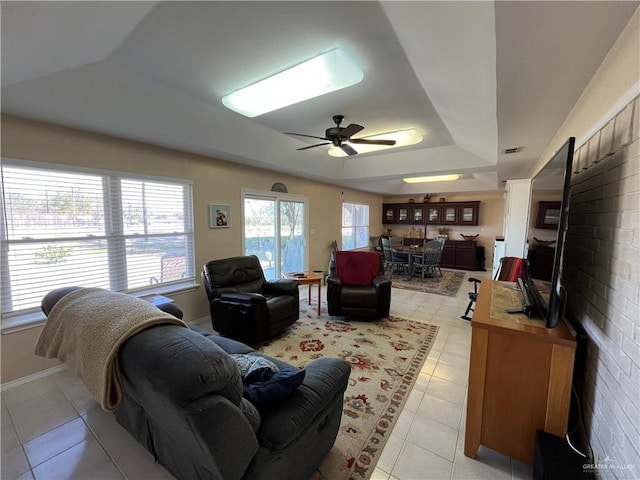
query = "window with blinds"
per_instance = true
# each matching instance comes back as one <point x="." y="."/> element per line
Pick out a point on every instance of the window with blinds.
<point x="92" y="229"/>
<point x="355" y="226"/>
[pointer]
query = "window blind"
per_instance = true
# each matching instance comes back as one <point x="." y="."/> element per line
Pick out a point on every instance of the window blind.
<point x="91" y="229"/>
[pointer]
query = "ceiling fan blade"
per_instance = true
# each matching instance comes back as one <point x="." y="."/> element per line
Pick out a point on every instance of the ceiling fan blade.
<point x="351" y="129"/>
<point x="310" y="136"/>
<point x="348" y="150"/>
<point x="364" y="141"/>
<point x="311" y="146"/>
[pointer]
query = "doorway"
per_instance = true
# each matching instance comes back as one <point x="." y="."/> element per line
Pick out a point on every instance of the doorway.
<point x="275" y="230"/>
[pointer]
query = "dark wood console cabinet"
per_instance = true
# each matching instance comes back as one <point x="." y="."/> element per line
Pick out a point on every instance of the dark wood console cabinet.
<point x="459" y="254"/>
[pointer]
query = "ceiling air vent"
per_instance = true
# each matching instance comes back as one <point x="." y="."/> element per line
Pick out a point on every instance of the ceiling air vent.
<point x="511" y="150"/>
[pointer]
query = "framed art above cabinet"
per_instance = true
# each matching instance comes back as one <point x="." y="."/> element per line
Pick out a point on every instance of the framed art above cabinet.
<point x="548" y="215"/>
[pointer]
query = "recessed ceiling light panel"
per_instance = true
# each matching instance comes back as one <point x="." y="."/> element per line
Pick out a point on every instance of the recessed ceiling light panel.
<point x="435" y="178"/>
<point x="322" y="74"/>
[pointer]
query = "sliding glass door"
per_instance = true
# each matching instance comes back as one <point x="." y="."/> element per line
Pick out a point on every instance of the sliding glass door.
<point x="275" y="230"/>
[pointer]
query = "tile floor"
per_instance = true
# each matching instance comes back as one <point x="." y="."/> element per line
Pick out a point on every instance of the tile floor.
<point x="52" y="428"/>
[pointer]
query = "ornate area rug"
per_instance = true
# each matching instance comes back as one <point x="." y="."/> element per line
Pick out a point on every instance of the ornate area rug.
<point x="385" y="356"/>
<point x="448" y="284"/>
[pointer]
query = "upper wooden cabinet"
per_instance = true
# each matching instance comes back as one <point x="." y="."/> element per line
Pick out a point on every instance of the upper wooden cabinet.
<point x="416" y="214"/>
<point x="443" y="213"/>
<point x="548" y="215"/>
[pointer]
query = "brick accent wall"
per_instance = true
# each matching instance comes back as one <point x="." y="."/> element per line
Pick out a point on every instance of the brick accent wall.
<point x="602" y="279"/>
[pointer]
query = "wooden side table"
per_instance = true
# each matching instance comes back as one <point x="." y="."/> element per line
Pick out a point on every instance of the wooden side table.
<point x="310" y="279"/>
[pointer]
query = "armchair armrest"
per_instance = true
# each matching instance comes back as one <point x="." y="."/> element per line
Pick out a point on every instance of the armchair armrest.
<point x="242" y="316"/>
<point x="381" y="281"/>
<point x="334" y="280"/>
<point x="243" y="298"/>
<point x="324" y="381"/>
<point x="283" y="286"/>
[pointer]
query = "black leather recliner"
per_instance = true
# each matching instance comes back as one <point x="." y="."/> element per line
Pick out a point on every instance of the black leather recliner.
<point x="371" y="301"/>
<point x="243" y="304"/>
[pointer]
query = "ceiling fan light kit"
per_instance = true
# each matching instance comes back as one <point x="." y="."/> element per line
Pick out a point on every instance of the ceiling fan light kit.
<point x="402" y="138"/>
<point x="340" y="137"/>
<point x="322" y="74"/>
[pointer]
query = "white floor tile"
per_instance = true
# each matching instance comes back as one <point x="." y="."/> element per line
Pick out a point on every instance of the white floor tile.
<point x="433" y="436"/>
<point x="441" y="411"/>
<point x="417" y="463"/>
<point x="56" y="441"/>
<point x="83" y="459"/>
<point x="451" y="373"/>
<point x="390" y="453"/>
<point x="446" y="390"/>
<point x="14" y="463"/>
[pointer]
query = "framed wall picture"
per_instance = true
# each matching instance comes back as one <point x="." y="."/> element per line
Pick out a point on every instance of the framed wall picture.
<point x="219" y="216"/>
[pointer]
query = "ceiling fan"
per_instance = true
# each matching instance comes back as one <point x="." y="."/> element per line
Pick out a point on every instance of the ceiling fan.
<point x="339" y="135"/>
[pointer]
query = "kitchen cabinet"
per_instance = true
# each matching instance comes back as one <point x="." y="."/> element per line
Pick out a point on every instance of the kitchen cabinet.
<point x="416" y="215"/>
<point x="443" y="213"/>
<point x="395" y="213"/>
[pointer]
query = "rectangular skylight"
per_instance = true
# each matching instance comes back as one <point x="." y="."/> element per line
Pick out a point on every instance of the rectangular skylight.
<point x="322" y="74"/>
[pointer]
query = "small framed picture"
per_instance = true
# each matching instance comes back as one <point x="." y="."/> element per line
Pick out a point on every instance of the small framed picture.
<point x="219" y="216"/>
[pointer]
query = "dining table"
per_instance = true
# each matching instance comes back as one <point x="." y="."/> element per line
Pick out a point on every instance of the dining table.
<point x="411" y="251"/>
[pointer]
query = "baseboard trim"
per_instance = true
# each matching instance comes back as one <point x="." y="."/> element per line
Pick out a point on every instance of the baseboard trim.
<point x="30" y="378"/>
<point x="201" y="320"/>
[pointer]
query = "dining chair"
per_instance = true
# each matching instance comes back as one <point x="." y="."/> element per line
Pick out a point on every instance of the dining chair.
<point x="392" y="259"/>
<point x="429" y="261"/>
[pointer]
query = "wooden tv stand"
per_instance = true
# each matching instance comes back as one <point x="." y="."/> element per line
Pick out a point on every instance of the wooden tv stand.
<point x="520" y="376"/>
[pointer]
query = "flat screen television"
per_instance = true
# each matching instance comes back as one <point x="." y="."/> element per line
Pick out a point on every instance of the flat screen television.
<point x="555" y="174"/>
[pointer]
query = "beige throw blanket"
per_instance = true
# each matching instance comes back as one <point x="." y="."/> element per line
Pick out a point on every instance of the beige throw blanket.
<point x="85" y="330"/>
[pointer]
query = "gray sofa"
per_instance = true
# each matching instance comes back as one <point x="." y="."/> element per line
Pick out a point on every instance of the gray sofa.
<point x="183" y="401"/>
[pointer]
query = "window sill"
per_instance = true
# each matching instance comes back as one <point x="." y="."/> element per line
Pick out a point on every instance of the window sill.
<point x="37" y="319"/>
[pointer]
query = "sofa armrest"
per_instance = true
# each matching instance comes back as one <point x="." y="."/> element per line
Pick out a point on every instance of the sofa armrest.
<point x="283" y="286"/>
<point x="219" y="436"/>
<point x="325" y="379"/>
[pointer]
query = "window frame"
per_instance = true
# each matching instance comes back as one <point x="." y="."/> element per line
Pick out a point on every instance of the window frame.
<point x="354" y="227"/>
<point x="16" y="320"/>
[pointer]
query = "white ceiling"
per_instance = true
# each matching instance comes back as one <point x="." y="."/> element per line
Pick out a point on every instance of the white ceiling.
<point x="473" y="78"/>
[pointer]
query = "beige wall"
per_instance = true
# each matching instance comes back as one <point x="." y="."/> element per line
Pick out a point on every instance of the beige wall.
<point x="214" y="181"/>
<point x="491" y="219"/>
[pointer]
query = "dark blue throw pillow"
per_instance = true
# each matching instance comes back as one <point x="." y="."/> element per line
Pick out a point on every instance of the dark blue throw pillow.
<point x="280" y="385"/>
